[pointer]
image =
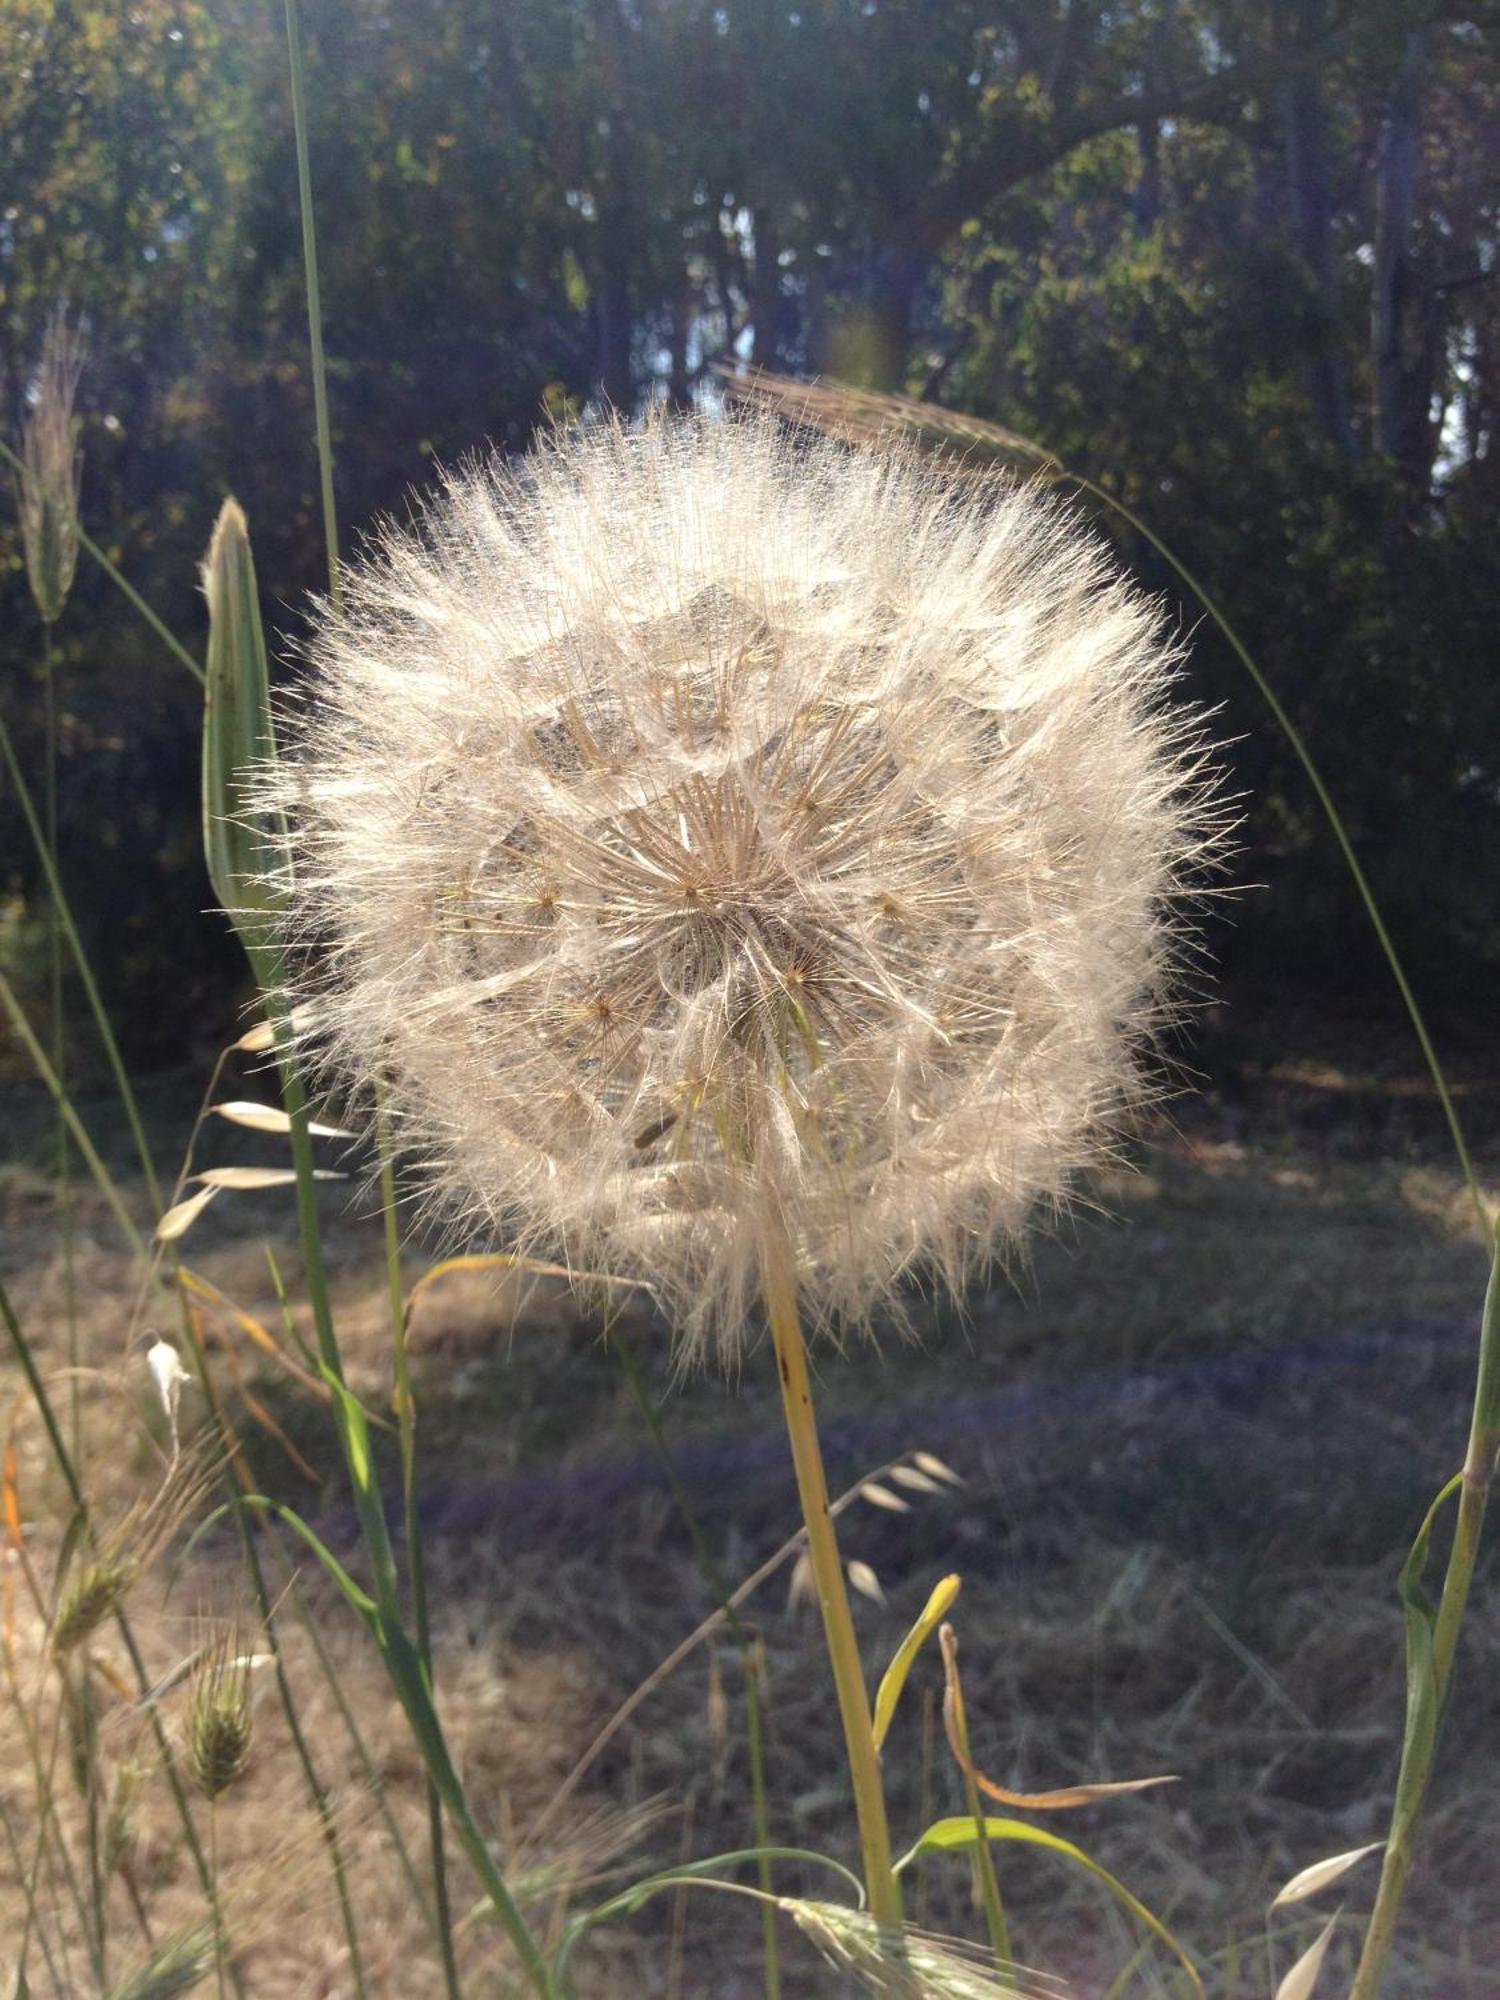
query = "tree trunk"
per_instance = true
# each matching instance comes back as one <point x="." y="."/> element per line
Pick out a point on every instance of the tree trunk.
<point x="1395" y="200"/>
<point x="765" y="292"/>
<point x="1305" y="117"/>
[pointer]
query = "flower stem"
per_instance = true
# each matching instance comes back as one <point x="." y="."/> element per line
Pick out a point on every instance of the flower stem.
<point x="778" y="1280"/>
<point x="1418" y="1750"/>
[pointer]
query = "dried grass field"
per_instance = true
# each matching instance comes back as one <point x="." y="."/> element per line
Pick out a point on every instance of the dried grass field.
<point x="1195" y="1440"/>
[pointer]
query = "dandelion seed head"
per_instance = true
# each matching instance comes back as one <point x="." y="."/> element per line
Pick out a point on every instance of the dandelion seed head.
<point x="712" y="823"/>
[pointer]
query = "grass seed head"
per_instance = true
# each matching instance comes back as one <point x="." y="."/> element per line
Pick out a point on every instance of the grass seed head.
<point x="100" y="1584"/>
<point x="48" y="487"/>
<point x="173" y="1969"/>
<point x="713" y="824"/>
<point x="923" y="1968"/>
<point x="96" y="1592"/>
<point x="220" y="1719"/>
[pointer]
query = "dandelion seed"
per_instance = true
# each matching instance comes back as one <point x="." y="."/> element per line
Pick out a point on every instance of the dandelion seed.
<point x="48" y="487"/>
<point x="168" y="1373"/>
<point x="713" y="830"/>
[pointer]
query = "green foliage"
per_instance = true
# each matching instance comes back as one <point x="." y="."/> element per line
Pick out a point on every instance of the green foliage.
<point x="1151" y="237"/>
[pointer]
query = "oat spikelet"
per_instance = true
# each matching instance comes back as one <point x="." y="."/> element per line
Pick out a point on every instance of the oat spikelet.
<point x="924" y="1968"/>
<point x="714" y="823"/>
<point x="48" y="487"/>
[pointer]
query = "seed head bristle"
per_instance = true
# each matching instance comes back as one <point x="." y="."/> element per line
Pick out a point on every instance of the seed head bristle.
<point x="49" y="485"/>
<point x="173" y="1969"/>
<point x="220" y="1720"/>
<point x="105" y="1578"/>
<point x="119" y="1818"/>
<point x="95" y="1593"/>
<point x="920" y="1967"/>
<point x="714" y="830"/>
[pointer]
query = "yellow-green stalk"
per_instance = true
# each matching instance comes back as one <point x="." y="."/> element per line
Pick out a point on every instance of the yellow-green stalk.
<point x="779" y="1279"/>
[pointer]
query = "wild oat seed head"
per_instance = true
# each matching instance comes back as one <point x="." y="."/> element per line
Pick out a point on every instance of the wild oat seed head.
<point x="48" y="487"/>
<point x="715" y="824"/>
<point x="926" y="1968"/>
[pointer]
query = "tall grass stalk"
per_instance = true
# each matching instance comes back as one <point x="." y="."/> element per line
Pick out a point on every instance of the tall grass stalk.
<point x="416" y="1568"/>
<point x="66" y="1466"/>
<point x="779" y="1279"/>
<point x="405" y="1407"/>
<point x="64" y="1162"/>
<point x="57" y="896"/>
<point x="1432" y="1641"/>
<point x="745" y="1644"/>
<point x="314" y="295"/>
<point x="317" y="1792"/>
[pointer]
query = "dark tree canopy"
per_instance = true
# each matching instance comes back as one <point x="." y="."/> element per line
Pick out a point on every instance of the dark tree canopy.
<point x="1234" y="259"/>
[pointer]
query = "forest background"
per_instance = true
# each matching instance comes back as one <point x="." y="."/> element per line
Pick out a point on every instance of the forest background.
<point x="1233" y="259"/>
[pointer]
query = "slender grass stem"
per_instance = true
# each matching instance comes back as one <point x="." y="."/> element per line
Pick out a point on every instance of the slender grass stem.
<point x="46" y="851"/>
<point x="745" y="1642"/>
<point x="779" y="1284"/>
<point x="1336" y="825"/>
<point x="315" y="1787"/>
<point x="43" y="1774"/>
<point x="1419" y="1748"/>
<point x="314" y="297"/>
<point x="55" y="1001"/>
<point x="131" y="595"/>
<point x="29" y="1040"/>
<point x="406" y="1424"/>
<point x="34" y="1925"/>
<point x="984" y="1861"/>
<point x="69" y="1471"/>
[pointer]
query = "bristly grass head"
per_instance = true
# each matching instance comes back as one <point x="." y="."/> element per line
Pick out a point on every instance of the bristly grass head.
<point x="48" y="487"/>
<point x="715" y="824"/>
<point x="220" y="1718"/>
<point x="919" y="1968"/>
<point x="104" y="1577"/>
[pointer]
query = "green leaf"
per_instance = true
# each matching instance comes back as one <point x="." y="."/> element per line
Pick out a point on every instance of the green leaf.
<point x="404" y="1669"/>
<point x="1422" y="1695"/>
<point x="706" y="1872"/>
<point x="237" y="733"/>
<point x="948" y="1836"/>
<point x="894" y="1678"/>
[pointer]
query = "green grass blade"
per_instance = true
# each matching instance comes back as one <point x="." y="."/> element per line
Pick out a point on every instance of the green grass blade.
<point x="893" y="1680"/>
<point x="949" y="1836"/>
<point x="408" y="1678"/>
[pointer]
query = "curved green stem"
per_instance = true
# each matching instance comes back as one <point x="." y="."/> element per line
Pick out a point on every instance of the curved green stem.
<point x="1330" y="812"/>
<point x="1430" y="1682"/>
<point x="314" y="298"/>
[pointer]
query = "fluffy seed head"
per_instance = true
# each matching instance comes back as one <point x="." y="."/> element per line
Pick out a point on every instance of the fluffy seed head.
<point x="48" y="487"/>
<point x="714" y="824"/>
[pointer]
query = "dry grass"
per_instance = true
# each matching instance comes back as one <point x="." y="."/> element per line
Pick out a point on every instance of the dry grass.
<point x="1196" y="1439"/>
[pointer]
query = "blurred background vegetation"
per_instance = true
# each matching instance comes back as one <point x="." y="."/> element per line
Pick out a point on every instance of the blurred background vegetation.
<point x="1233" y="259"/>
